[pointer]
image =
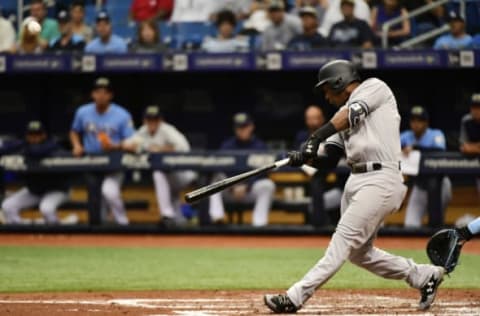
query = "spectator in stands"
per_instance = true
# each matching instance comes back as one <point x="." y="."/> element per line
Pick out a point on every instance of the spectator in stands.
<point x="325" y="186"/>
<point x="334" y="14"/>
<point x="470" y="131"/>
<point x="284" y="27"/>
<point x="106" y="42"/>
<point x="102" y="127"/>
<point x="50" y="31"/>
<point x="226" y="40"/>
<point x="68" y="41"/>
<point x="143" y="10"/>
<point x="29" y="43"/>
<point x="430" y="193"/>
<point x="77" y="14"/>
<point x="458" y="38"/>
<point x="7" y="34"/>
<point x="427" y="21"/>
<point x="310" y="39"/>
<point x="158" y="136"/>
<point x="47" y="190"/>
<point x="259" y="190"/>
<point x="390" y="9"/>
<point x="351" y="32"/>
<point x="148" y="39"/>
<point x="319" y="5"/>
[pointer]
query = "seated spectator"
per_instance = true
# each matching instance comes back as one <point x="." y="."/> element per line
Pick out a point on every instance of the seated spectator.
<point x="259" y="190"/>
<point x="148" y="39"/>
<point x="319" y="5"/>
<point x="68" y="41"/>
<point x="7" y="34"/>
<point x="106" y="42"/>
<point x="193" y="10"/>
<point x="388" y="10"/>
<point x="77" y="15"/>
<point x="351" y="32"/>
<point x="29" y="43"/>
<point x="50" y="31"/>
<point x="102" y="127"/>
<point x="284" y="27"/>
<point x="430" y="193"/>
<point x="143" y="10"/>
<point x="325" y="186"/>
<point x="158" y="136"/>
<point x="310" y="38"/>
<point x="334" y="14"/>
<point x="47" y="190"/>
<point x="470" y="131"/>
<point x="429" y="20"/>
<point x="458" y="38"/>
<point x="226" y="41"/>
<point x="475" y="42"/>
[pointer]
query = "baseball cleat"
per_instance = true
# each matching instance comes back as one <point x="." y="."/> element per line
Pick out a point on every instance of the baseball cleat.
<point x="429" y="290"/>
<point x="280" y="304"/>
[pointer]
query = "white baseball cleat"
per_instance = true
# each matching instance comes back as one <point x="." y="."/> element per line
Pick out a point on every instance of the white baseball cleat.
<point x="429" y="290"/>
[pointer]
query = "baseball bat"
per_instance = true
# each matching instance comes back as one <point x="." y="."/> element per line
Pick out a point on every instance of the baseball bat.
<point x="221" y="185"/>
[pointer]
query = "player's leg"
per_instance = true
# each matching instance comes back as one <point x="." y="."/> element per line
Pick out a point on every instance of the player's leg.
<point x="446" y="193"/>
<point x="113" y="196"/>
<point x="262" y="191"/>
<point x="162" y="190"/>
<point x="216" y="208"/>
<point x="417" y="203"/>
<point x="13" y="204"/>
<point x="49" y="204"/>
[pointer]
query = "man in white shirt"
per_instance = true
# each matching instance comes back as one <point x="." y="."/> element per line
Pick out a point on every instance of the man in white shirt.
<point x="158" y="136"/>
<point x="334" y="14"/>
<point x="7" y="34"/>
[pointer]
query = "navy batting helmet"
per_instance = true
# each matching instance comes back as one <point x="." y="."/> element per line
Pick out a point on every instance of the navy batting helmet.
<point x="338" y="74"/>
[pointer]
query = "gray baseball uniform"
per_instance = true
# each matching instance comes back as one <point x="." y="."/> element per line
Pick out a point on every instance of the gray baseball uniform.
<point x="368" y="197"/>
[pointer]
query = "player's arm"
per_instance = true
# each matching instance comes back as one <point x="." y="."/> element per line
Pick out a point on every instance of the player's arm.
<point x="77" y="148"/>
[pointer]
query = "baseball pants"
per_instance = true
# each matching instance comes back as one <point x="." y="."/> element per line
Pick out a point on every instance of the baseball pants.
<point x="261" y="193"/>
<point x="368" y="198"/>
<point x="23" y="199"/>
<point x="418" y="203"/>
<point x="112" y="196"/>
<point x="167" y="190"/>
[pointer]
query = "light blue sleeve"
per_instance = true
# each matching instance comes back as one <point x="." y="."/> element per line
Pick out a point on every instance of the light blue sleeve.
<point x="121" y="46"/>
<point x="90" y="47"/>
<point x="77" y="124"/>
<point x="438" y="43"/>
<point x="474" y="226"/>
<point x="404" y="139"/>
<point x="438" y="140"/>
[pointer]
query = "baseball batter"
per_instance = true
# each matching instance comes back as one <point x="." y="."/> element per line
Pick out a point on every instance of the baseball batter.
<point x="366" y="129"/>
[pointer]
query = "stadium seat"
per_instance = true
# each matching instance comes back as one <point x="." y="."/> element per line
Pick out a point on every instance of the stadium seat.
<point x="90" y="12"/>
<point x="166" y="32"/>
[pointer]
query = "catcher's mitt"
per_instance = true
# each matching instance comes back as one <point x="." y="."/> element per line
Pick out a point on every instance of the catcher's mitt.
<point x="444" y="248"/>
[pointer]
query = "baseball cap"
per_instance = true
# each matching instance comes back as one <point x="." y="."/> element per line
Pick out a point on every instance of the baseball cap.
<point x="308" y="10"/>
<point x="102" y="16"/>
<point x="242" y="119"/>
<point x="63" y="16"/>
<point x="102" y="82"/>
<point x="419" y="112"/>
<point x="152" y="112"/>
<point x="351" y="2"/>
<point x="276" y="5"/>
<point x="35" y="127"/>
<point x="475" y="99"/>
<point x="455" y="16"/>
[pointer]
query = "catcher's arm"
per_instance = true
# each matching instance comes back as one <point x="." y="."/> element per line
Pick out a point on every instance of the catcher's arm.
<point x="445" y="246"/>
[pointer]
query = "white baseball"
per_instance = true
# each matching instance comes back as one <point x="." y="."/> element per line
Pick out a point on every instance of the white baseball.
<point x="34" y="27"/>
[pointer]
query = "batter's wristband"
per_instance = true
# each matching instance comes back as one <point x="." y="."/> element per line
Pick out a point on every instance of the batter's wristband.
<point x="324" y="132"/>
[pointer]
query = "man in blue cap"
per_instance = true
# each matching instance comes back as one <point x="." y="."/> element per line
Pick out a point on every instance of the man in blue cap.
<point x="431" y="193"/>
<point x="106" y="42"/>
<point x="260" y="190"/>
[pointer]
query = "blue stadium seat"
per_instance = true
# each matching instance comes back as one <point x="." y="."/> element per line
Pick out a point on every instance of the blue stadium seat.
<point x="128" y="32"/>
<point x="90" y="13"/>
<point x="9" y="5"/>
<point x="190" y="34"/>
<point x="166" y="32"/>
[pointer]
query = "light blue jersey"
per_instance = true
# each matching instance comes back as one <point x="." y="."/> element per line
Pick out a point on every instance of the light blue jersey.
<point x="432" y="138"/>
<point x="450" y="42"/>
<point x="116" y="45"/>
<point x="116" y="122"/>
<point x="474" y="226"/>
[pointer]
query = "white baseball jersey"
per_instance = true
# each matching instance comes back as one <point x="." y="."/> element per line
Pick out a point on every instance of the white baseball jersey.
<point x="166" y="134"/>
<point x="377" y="136"/>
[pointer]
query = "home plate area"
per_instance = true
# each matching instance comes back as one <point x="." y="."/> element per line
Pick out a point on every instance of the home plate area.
<point x="209" y="303"/>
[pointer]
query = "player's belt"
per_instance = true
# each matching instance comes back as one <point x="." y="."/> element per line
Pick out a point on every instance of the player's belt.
<point x="363" y="167"/>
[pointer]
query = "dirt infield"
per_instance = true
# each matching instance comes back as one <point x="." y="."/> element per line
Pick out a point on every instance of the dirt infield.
<point x="209" y="303"/>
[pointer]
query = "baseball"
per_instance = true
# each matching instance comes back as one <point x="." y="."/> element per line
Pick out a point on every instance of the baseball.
<point x="34" y="27"/>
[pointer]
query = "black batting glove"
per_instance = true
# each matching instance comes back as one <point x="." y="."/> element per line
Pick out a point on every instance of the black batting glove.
<point x="310" y="147"/>
<point x="296" y="159"/>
